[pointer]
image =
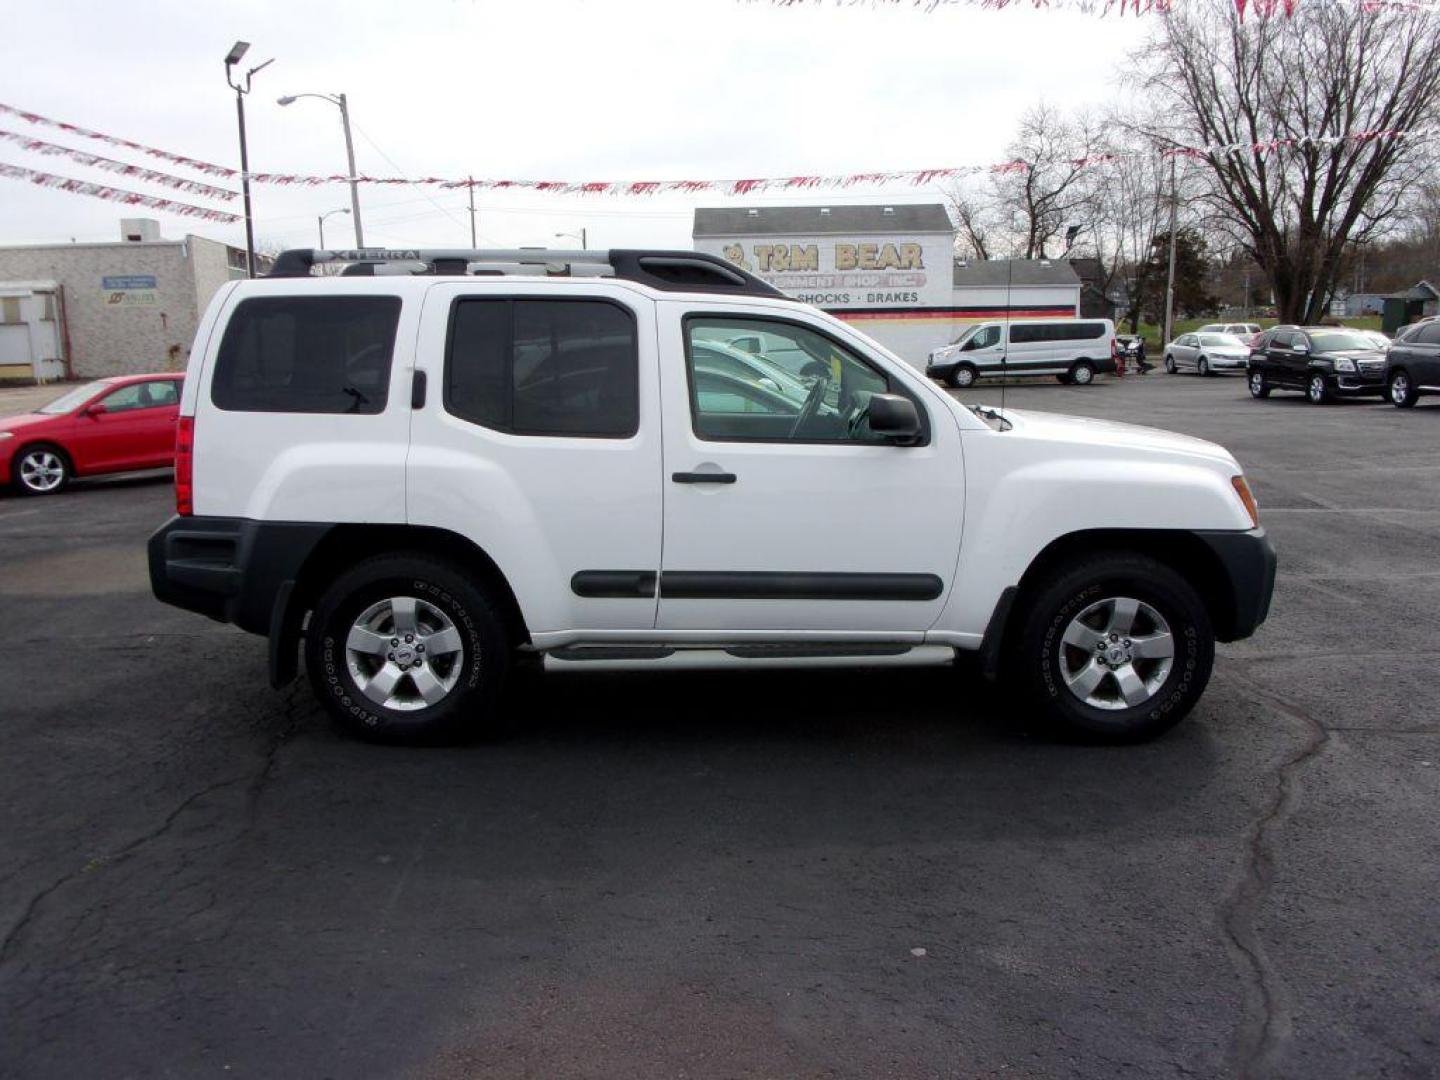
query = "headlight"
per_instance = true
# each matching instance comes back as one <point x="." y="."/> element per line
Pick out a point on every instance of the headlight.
<point x="1344" y="363"/>
<point x="7" y="434"/>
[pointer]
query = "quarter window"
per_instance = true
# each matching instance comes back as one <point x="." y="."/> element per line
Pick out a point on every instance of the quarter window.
<point x="313" y="354"/>
<point x="800" y="386"/>
<point x="544" y="367"/>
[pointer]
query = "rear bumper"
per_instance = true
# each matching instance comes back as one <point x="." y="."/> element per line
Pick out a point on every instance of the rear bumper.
<point x="231" y="569"/>
<point x="1249" y="561"/>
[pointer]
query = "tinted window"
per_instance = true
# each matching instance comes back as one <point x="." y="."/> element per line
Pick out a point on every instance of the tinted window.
<point x="314" y="354"/>
<point x="1281" y="339"/>
<point x="1056" y="331"/>
<point x="544" y="367"/>
<point x="1429" y="334"/>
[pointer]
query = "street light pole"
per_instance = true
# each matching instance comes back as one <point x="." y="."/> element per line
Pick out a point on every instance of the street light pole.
<point x="241" y="88"/>
<point x="340" y="101"/>
<point x="582" y="236"/>
<point x="321" y="222"/>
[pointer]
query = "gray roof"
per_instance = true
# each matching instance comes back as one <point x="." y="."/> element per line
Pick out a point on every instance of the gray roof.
<point x="820" y="220"/>
<point x="1001" y="272"/>
<point x="1420" y="291"/>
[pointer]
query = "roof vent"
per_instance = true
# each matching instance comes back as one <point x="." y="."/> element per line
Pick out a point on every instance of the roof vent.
<point x="888" y="210"/>
<point x="753" y="213"/>
<point x="824" y="211"/>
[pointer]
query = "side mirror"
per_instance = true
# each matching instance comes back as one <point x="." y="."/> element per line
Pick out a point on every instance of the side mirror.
<point x="96" y="410"/>
<point x="1301" y="347"/>
<point x="893" y="416"/>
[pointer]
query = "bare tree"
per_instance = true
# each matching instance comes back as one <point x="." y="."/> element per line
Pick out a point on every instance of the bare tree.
<point x="1303" y="86"/>
<point x="1051" y="181"/>
<point x="974" y="221"/>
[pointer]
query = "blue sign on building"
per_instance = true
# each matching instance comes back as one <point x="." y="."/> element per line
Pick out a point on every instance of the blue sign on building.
<point x="127" y="281"/>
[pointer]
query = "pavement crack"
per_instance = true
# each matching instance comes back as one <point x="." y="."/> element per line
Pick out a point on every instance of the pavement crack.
<point x="1268" y="1020"/>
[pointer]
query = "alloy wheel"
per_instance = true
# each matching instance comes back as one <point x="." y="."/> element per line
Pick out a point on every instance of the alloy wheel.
<point x="1117" y="653"/>
<point x="42" y="471"/>
<point x="1316" y="389"/>
<point x="404" y="653"/>
<point x="1400" y="388"/>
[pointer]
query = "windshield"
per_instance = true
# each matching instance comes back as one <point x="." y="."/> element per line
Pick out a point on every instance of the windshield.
<point x="1226" y="340"/>
<point x="1340" y="341"/>
<point x="73" y="400"/>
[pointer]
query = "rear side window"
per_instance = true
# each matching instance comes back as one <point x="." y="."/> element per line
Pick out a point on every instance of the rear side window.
<point x="544" y="367"/>
<point x="1057" y="331"/>
<point x="1429" y="334"/>
<point x="312" y="354"/>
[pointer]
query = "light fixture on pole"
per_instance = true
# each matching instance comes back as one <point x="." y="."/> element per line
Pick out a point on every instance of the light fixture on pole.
<point x="321" y="222"/>
<point x="339" y="101"/>
<point x="581" y="236"/>
<point x="241" y="86"/>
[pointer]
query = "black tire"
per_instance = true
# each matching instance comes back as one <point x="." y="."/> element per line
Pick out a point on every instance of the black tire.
<point x="962" y="376"/>
<point x="468" y="709"/>
<point x="1082" y="373"/>
<point x="1317" y="390"/>
<point x="28" y="463"/>
<point x="1034" y="662"/>
<point x="1203" y="367"/>
<point x="1258" y="385"/>
<point x="1169" y="364"/>
<point x="1401" y="390"/>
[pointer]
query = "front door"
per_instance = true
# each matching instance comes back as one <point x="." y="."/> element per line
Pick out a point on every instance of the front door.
<point x="135" y="430"/>
<point x="782" y="511"/>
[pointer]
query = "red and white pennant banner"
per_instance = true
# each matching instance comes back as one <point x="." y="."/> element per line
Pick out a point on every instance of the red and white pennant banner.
<point x="95" y="161"/>
<point x="101" y="191"/>
<point x="206" y="167"/>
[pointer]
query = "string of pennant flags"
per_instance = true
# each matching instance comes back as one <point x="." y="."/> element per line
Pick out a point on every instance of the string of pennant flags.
<point x="756" y="185"/>
<point x="1263" y="9"/>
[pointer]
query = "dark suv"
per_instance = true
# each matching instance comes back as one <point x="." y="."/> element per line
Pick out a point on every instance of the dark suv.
<point x="1322" y="361"/>
<point x="1412" y="367"/>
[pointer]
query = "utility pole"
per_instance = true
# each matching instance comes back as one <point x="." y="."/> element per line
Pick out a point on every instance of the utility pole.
<point x="354" y="184"/>
<point x="1170" y="280"/>
<point x="241" y="86"/>
<point x="470" y="187"/>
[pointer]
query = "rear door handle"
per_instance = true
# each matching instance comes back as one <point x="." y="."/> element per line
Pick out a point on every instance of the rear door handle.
<point x="703" y="477"/>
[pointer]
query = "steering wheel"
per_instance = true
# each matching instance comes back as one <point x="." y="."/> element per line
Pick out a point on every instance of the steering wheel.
<point x="811" y="406"/>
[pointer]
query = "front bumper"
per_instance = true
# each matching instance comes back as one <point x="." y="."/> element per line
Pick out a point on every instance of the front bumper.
<point x="1358" y="385"/>
<point x="1227" y="363"/>
<point x="1249" y="562"/>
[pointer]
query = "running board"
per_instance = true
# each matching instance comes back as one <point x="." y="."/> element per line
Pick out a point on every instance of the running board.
<point x="735" y="657"/>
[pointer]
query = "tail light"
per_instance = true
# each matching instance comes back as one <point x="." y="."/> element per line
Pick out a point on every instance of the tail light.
<point x="185" y="466"/>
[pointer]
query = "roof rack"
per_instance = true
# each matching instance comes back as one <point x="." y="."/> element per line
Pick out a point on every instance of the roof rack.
<point x="671" y="271"/>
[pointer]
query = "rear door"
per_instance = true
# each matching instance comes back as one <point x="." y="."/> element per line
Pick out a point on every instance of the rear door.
<point x="1424" y="347"/>
<point x="539" y="441"/>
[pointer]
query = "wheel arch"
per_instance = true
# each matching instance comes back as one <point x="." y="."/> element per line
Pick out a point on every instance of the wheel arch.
<point x="51" y="444"/>
<point x="1181" y="550"/>
<point x="344" y="545"/>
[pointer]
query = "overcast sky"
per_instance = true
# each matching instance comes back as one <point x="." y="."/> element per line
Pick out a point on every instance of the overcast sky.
<point x="547" y="89"/>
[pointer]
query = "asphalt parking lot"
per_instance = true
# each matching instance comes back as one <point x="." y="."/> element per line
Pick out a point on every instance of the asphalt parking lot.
<point x="826" y="874"/>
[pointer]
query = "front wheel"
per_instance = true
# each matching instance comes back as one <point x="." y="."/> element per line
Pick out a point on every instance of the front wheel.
<point x="1317" y="390"/>
<point x="1204" y="366"/>
<point x="1115" y="648"/>
<point x="964" y="375"/>
<point x="404" y="647"/>
<point x="1259" y="388"/>
<point x="1403" y="394"/>
<point x="1082" y="373"/>
<point x="1169" y="365"/>
<point x="40" y="470"/>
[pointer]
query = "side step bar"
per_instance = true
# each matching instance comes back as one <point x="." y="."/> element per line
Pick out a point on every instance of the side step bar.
<point x="738" y="657"/>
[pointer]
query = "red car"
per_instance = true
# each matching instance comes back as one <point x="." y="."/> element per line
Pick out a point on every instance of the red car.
<point x="107" y="426"/>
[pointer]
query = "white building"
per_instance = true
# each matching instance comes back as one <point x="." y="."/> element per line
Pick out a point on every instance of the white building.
<point x="127" y="306"/>
<point x="890" y="270"/>
<point x="32" y="347"/>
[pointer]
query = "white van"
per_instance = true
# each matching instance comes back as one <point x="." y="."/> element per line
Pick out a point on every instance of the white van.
<point x="1073" y="350"/>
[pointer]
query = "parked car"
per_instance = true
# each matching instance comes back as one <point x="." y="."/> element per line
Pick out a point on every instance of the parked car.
<point x="1412" y="366"/>
<point x="1206" y="353"/>
<point x="419" y="480"/>
<point x="1239" y="329"/>
<point x="1072" y="350"/>
<point x="1381" y="341"/>
<point x="107" y="426"/>
<point x="1321" y="361"/>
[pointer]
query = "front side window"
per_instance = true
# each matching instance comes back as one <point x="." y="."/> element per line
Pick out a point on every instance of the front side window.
<point x="803" y="386"/>
<point x="984" y="338"/>
<point x="544" y="367"/>
<point x="125" y="399"/>
<point x="312" y="354"/>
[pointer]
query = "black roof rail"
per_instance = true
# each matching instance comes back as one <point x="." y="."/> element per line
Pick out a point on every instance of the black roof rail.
<point x="670" y="271"/>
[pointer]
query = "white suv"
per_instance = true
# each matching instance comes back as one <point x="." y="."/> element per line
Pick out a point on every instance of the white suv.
<point x="439" y="463"/>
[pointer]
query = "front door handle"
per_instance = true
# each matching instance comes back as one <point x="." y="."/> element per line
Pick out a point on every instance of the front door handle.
<point x="703" y="477"/>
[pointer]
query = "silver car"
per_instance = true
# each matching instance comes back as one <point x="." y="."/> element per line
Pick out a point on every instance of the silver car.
<point x="1206" y="353"/>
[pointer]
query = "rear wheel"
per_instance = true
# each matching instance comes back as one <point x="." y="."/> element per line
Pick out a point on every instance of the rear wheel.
<point x="1403" y="394"/>
<point x="1116" y="647"/>
<point x="964" y="375"/>
<point x="1316" y="389"/>
<point x="405" y="648"/>
<point x="1082" y="373"/>
<point x="1259" y="388"/>
<point x="40" y="470"/>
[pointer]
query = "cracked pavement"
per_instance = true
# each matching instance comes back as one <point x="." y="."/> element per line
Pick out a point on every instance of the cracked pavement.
<point x="695" y="875"/>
